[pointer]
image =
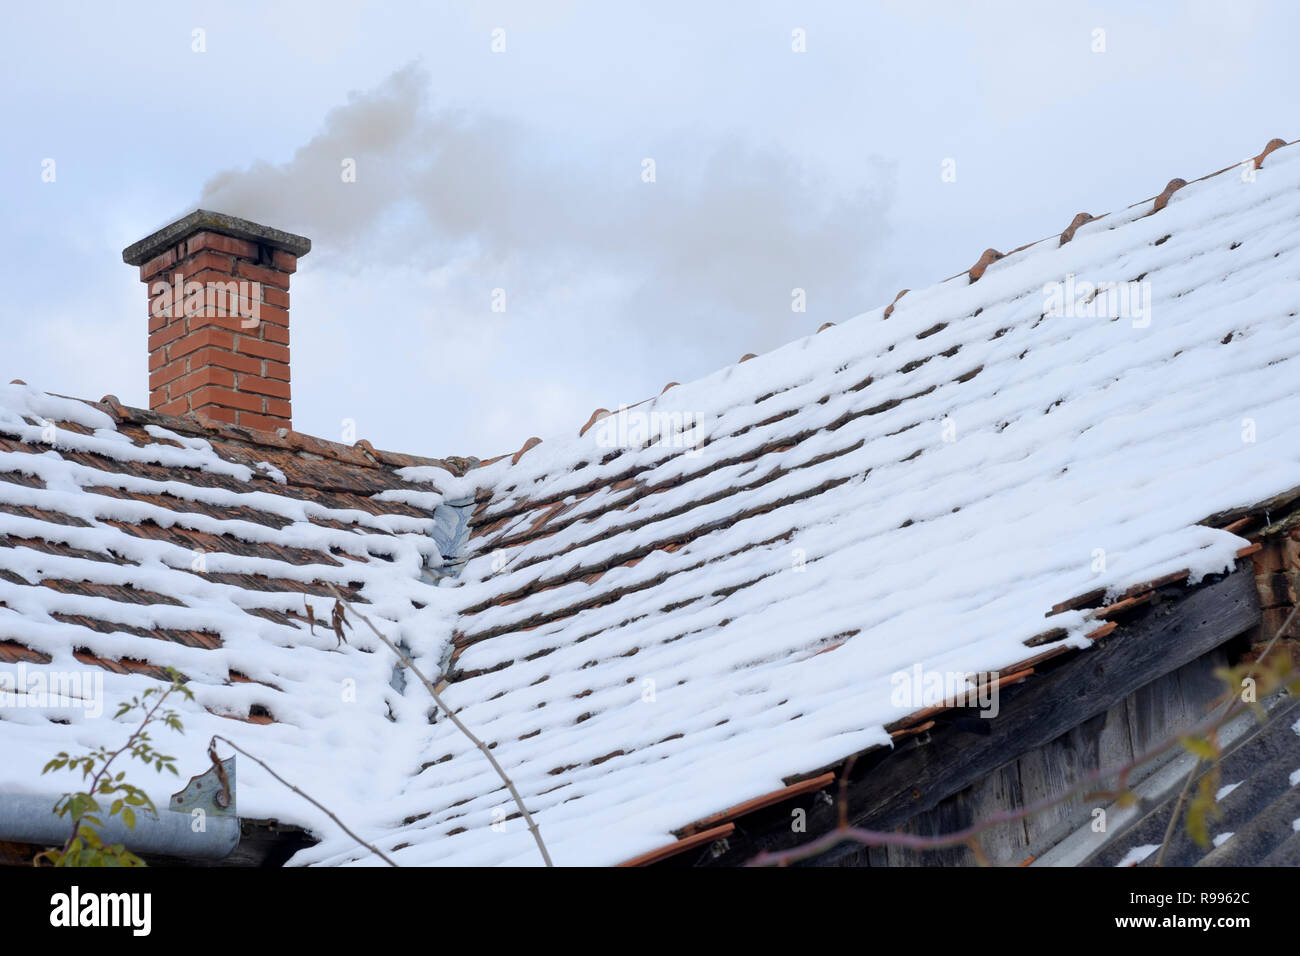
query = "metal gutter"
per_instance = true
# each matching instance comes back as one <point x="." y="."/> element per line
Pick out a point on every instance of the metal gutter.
<point x="200" y="822"/>
<point x="451" y="534"/>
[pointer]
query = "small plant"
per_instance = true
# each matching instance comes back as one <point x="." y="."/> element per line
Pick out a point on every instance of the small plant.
<point x="84" y="847"/>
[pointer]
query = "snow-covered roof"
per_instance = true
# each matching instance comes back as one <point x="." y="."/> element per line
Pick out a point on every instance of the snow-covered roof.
<point x="649" y="634"/>
<point x="132" y="541"/>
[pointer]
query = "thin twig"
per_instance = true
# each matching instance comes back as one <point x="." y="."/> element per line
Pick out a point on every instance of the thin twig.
<point x="437" y="698"/>
<point x="130" y="741"/>
<point x="1178" y="809"/>
<point x="310" y="799"/>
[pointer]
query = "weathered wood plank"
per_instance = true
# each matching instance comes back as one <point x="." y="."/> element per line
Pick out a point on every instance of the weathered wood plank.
<point x="991" y="794"/>
<point x="891" y="787"/>
<point x="1178" y="698"/>
<point x="1097" y="679"/>
<point x="921" y="773"/>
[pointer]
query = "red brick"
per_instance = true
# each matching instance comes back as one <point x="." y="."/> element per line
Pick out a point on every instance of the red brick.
<point x="261" y="422"/>
<point x="155" y="285"/>
<point x="220" y="243"/>
<point x="156" y="322"/>
<point x="170" y="334"/>
<point x="231" y="323"/>
<point x="209" y="375"/>
<point x="263" y="386"/>
<point x="269" y="313"/>
<point x="248" y="345"/>
<point x="212" y="395"/>
<point x="163" y="305"/>
<point x="218" y="295"/>
<point x="277" y="370"/>
<point x="276" y="406"/>
<point x="207" y="259"/>
<point x="276" y="297"/>
<point x="178" y="407"/>
<point x="157" y="359"/>
<point x="220" y="302"/>
<point x="246" y="270"/>
<point x="284" y="261"/>
<point x="276" y="333"/>
<point x="164" y="260"/>
<point x="198" y="339"/>
<point x="209" y="275"/>
<point x="241" y="305"/>
<point x="218" y="414"/>
<point x="224" y="359"/>
<point x="167" y="374"/>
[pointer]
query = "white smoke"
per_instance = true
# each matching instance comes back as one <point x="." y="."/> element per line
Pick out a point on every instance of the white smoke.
<point x="715" y="244"/>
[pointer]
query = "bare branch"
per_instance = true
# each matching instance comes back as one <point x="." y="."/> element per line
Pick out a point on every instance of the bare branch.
<point x="1178" y="809"/>
<point x="310" y="799"/>
<point x="437" y="698"/>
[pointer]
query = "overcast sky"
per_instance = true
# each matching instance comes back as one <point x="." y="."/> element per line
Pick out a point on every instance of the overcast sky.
<point x="524" y="169"/>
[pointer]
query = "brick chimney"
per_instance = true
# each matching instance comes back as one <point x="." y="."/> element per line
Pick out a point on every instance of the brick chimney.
<point x="219" y="318"/>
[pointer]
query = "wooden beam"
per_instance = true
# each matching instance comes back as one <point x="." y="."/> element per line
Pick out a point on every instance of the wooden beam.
<point x="1166" y="639"/>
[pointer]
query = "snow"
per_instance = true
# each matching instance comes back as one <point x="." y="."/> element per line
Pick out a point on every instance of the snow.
<point x="643" y="654"/>
<point x="275" y="474"/>
<point x="1138" y="854"/>
<point x="1225" y="790"/>
<point x="298" y="676"/>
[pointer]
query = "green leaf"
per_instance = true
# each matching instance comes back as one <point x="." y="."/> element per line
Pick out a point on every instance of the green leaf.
<point x="1200" y="747"/>
<point x="128" y="817"/>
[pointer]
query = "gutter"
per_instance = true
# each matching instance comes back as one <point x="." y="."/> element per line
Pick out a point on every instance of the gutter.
<point x="200" y="822"/>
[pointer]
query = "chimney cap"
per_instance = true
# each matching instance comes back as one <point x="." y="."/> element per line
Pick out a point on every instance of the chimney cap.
<point x="204" y="219"/>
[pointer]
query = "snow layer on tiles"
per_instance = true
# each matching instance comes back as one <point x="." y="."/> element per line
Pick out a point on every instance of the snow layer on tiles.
<point x="889" y="493"/>
<point x="330" y="703"/>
